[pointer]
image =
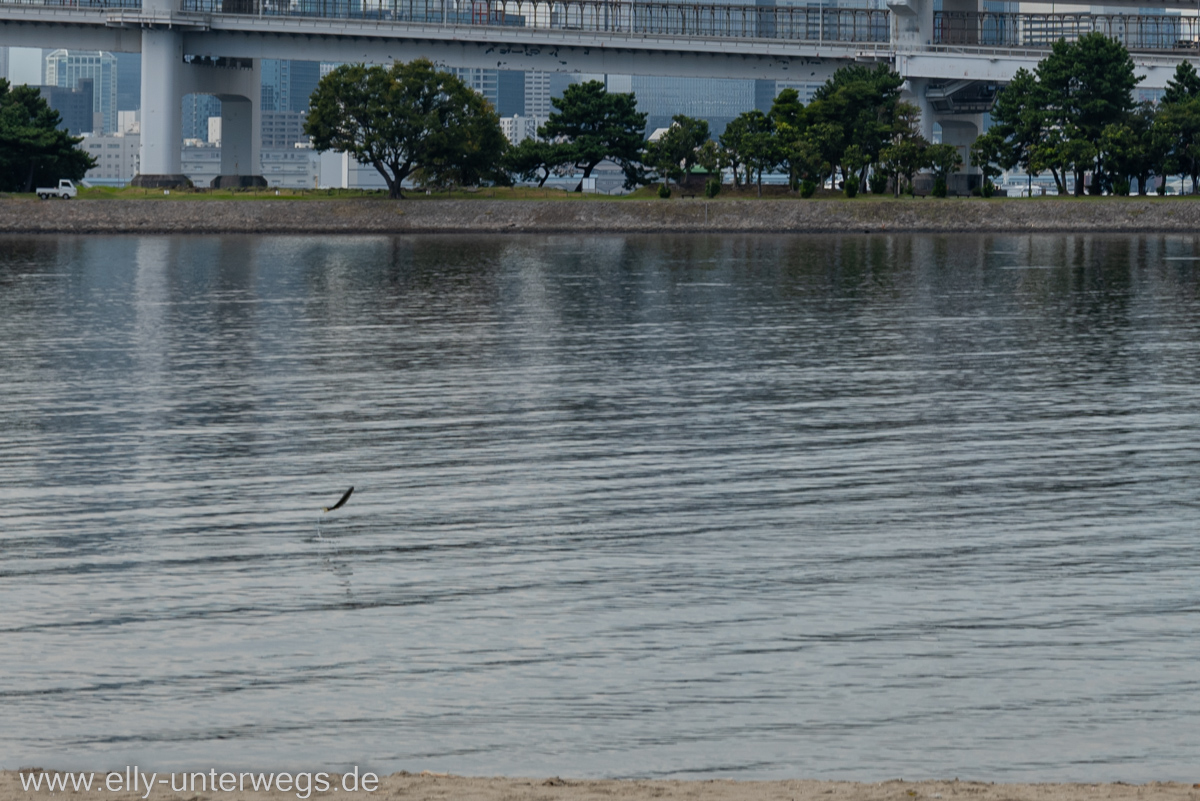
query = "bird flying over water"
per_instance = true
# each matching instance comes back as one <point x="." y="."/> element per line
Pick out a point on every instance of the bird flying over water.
<point x="341" y="502"/>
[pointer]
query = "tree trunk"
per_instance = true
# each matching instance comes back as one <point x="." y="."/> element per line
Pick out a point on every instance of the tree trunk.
<point x="1058" y="182"/>
<point x="393" y="184"/>
<point x="29" y="177"/>
<point x="587" y="173"/>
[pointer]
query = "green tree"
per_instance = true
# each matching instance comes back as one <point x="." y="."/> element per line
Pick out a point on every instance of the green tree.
<point x="708" y="158"/>
<point x="1179" y="128"/>
<point x="1020" y="119"/>
<point x="677" y="151"/>
<point x="907" y="151"/>
<point x="790" y="121"/>
<point x="592" y="124"/>
<point x="1184" y="85"/>
<point x="986" y="153"/>
<point x="760" y="151"/>
<point x="406" y="119"/>
<point x="532" y="160"/>
<point x="1086" y="85"/>
<point x="33" y="151"/>
<point x="944" y="159"/>
<point x="733" y="141"/>
<point x="858" y="106"/>
<point x="1175" y="132"/>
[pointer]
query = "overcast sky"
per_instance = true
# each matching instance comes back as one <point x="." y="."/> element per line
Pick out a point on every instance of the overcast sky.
<point x="25" y="65"/>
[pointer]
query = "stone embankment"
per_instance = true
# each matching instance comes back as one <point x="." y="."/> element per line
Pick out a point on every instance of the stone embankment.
<point x="481" y="216"/>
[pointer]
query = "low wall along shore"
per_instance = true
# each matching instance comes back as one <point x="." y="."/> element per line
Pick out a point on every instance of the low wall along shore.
<point x="1100" y="215"/>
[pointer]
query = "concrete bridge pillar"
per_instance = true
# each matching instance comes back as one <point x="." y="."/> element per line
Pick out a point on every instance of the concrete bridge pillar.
<point x="162" y="126"/>
<point x="914" y="92"/>
<point x="912" y="23"/>
<point x="961" y="130"/>
<point x="166" y="78"/>
<point x="240" y="142"/>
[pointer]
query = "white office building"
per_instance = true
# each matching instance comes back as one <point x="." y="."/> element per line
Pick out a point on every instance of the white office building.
<point x="118" y="157"/>
<point x="517" y="128"/>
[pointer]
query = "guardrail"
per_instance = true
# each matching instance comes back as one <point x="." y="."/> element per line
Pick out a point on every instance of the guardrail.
<point x="598" y="16"/>
<point x="1135" y="31"/>
<point x="74" y="3"/>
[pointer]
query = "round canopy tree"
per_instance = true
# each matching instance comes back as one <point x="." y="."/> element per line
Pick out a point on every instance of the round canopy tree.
<point x="407" y="119"/>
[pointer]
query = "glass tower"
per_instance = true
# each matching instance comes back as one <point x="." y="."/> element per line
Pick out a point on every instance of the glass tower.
<point x="65" y="68"/>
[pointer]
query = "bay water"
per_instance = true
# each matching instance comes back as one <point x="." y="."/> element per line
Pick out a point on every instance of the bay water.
<point x="852" y="507"/>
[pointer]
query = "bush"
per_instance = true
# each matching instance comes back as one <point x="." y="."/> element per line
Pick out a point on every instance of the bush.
<point x="808" y="187"/>
<point x="877" y="182"/>
<point x="988" y="188"/>
<point x="712" y="187"/>
<point x="939" y="186"/>
<point x="1121" y="187"/>
<point x="664" y="191"/>
<point x="850" y="186"/>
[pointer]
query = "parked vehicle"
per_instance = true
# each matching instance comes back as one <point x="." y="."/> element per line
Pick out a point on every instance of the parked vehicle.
<point x="65" y="189"/>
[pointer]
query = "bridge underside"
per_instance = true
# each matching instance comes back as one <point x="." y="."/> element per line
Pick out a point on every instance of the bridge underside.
<point x="508" y="48"/>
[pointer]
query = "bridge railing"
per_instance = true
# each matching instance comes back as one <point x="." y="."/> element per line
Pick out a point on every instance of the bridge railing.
<point x="1136" y="32"/>
<point x="607" y="16"/>
<point x="75" y="3"/>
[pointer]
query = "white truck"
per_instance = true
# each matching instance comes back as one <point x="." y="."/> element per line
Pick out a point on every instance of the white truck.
<point x="65" y="189"/>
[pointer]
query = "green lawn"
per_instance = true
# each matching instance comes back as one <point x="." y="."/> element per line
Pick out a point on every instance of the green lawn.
<point x="520" y="193"/>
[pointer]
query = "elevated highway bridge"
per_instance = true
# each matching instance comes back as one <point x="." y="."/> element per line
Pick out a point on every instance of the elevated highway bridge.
<point x="952" y="59"/>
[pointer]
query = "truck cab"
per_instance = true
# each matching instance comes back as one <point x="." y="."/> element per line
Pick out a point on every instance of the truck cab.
<point x="65" y="190"/>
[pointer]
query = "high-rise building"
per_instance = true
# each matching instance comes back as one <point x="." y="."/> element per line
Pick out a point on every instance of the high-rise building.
<point x="484" y="81"/>
<point x="717" y="101"/>
<point x="129" y="81"/>
<point x="305" y="77"/>
<point x="540" y="87"/>
<point x="510" y="91"/>
<point x="74" y="106"/>
<point x="537" y="94"/>
<point x="197" y="111"/>
<point x="66" y="68"/>
<point x="287" y="85"/>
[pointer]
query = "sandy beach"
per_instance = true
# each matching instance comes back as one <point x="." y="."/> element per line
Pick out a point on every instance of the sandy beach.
<point x="436" y="787"/>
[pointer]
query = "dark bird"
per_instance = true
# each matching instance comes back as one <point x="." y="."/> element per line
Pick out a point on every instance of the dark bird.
<point x="341" y="502"/>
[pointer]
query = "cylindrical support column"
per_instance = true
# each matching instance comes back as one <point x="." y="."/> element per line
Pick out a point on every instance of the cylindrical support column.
<point x="961" y="130"/>
<point x="240" y="91"/>
<point x="162" y="126"/>
<point x="916" y="95"/>
<point x="237" y="136"/>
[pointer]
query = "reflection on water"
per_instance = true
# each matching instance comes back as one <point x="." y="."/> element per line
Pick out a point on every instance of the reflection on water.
<point x="692" y="506"/>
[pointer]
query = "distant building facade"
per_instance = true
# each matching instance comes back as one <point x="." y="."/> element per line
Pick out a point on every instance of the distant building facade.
<point x="66" y="68"/>
<point x="197" y="111"/>
<point x="129" y="81"/>
<point x="517" y="128"/>
<point x="118" y="157"/>
<point x="283" y="129"/>
<point x="287" y="85"/>
<point x="74" y="106"/>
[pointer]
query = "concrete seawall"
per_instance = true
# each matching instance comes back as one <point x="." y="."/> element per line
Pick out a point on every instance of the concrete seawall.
<point x="1096" y="215"/>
